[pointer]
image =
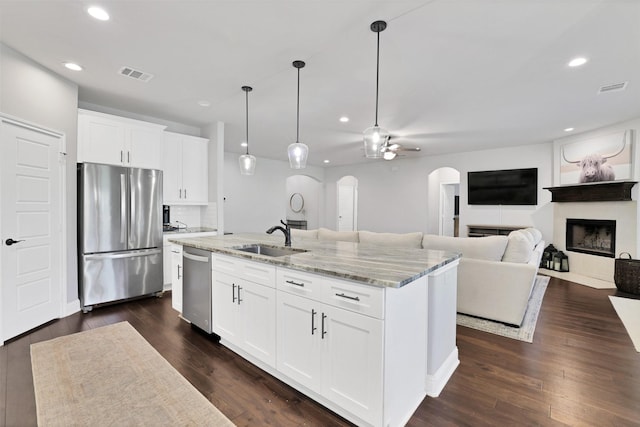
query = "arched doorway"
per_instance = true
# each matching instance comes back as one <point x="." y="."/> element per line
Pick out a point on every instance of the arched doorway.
<point x="303" y="201"/>
<point x="347" y="203"/>
<point x="444" y="196"/>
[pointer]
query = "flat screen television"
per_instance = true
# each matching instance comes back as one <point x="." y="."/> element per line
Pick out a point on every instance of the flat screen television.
<point x="503" y="187"/>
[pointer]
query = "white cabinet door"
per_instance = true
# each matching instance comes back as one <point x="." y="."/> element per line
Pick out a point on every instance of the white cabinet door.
<point x="195" y="173"/>
<point x="258" y="320"/>
<point x="171" y="169"/>
<point x="176" y="277"/>
<point x="100" y="140"/>
<point x="144" y="147"/>
<point x="353" y="361"/>
<point x="166" y="266"/>
<point x="299" y="344"/>
<point x="225" y="307"/>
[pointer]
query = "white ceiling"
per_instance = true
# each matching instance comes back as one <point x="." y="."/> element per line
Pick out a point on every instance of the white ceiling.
<point x="455" y="75"/>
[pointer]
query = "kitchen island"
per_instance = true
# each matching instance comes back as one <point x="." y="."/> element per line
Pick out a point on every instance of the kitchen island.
<point x="365" y="330"/>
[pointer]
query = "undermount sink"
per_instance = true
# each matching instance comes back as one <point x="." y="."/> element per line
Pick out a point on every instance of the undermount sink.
<point x="267" y="250"/>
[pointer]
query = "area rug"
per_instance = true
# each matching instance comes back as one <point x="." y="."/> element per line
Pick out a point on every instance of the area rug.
<point x="528" y="327"/>
<point x="628" y="310"/>
<point x="113" y="376"/>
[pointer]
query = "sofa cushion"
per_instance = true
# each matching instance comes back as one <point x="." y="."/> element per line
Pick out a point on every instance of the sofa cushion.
<point x="490" y="248"/>
<point x="519" y="248"/>
<point x="407" y="240"/>
<point x="303" y="234"/>
<point x="537" y="235"/>
<point x="337" y="236"/>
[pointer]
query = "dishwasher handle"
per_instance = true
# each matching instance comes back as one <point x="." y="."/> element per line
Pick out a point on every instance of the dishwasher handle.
<point x="193" y="257"/>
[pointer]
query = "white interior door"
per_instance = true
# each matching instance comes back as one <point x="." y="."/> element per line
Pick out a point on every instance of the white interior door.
<point x="31" y="215"/>
<point x="347" y="207"/>
<point x="447" y="208"/>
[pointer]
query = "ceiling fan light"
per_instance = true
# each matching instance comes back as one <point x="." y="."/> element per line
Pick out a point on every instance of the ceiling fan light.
<point x="389" y="155"/>
<point x="374" y="139"/>
<point x="298" y="153"/>
<point x="247" y="164"/>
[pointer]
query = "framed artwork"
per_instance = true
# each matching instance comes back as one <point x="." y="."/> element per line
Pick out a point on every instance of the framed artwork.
<point x="599" y="159"/>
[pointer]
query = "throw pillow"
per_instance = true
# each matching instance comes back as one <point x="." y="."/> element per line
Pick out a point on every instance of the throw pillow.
<point x="392" y="240"/>
<point x="519" y="248"/>
<point x="537" y="235"/>
<point x="337" y="236"/>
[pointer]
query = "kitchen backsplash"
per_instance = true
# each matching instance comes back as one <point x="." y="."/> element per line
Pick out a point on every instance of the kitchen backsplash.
<point x="209" y="215"/>
<point x="196" y="216"/>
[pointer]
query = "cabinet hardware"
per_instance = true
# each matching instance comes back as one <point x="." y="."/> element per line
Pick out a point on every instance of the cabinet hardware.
<point x="313" y="316"/>
<point x="128" y="156"/>
<point x="121" y="156"/>
<point x="179" y="272"/>
<point x="239" y="300"/>
<point x="10" y="241"/>
<point x="342" y="295"/>
<point x="295" y="283"/>
<point x="324" y="316"/>
<point x="185" y="193"/>
<point x="180" y="193"/>
<point x="233" y="293"/>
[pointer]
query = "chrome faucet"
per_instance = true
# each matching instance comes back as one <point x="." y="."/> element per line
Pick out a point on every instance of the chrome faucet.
<point x="286" y="230"/>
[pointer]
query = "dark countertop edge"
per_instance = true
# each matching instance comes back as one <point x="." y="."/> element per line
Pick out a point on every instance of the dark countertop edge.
<point x="285" y="261"/>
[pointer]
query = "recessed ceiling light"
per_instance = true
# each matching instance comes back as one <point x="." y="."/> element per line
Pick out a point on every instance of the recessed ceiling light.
<point x="344" y="119"/>
<point x="576" y="62"/>
<point x="327" y="161"/>
<point x="204" y="103"/>
<point x="243" y="144"/>
<point x="73" y="66"/>
<point x="98" y="13"/>
<point x="568" y="129"/>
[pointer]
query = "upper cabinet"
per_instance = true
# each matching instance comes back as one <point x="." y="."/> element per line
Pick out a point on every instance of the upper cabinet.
<point x="114" y="140"/>
<point x="186" y="172"/>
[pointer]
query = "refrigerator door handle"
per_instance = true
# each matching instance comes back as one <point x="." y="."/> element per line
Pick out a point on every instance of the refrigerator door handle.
<point x="123" y="208"/>
<point x="129" y="254"/>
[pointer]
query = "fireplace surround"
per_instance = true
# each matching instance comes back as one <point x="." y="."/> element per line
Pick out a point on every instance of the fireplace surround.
<point x="591" y="236"/>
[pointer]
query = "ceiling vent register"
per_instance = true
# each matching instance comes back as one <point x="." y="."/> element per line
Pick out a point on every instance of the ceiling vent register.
<point x="135" y="74"/>
<point x="613" y="87"/>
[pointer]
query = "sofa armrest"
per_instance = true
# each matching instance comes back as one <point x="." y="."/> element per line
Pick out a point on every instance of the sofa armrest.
<point x="495" y="290"/>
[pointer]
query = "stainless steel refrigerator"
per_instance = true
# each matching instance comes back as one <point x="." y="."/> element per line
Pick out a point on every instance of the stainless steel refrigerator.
<point x="119" y="233"/>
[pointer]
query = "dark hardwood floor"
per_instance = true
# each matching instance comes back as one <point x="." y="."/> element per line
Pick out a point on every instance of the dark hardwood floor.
<point x="581" y="369"/>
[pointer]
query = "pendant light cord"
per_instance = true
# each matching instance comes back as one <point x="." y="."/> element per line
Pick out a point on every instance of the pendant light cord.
<point x="247" y="117"/>
<point x="377" y="75"/>
<point x="298" y="111"/>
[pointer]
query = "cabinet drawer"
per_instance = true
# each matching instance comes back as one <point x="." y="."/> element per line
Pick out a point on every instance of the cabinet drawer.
<point x="299" y="283"/>
<point x="256" y="272"/>
<point x="368" y="300"/>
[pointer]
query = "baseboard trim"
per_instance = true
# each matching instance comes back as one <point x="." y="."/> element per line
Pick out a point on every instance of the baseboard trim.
<point x="435" y="383"/>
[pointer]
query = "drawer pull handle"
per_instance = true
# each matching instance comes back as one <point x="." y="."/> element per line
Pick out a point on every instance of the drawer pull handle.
<point x="313" y="316"/>
<point x="291" y="282"/>
<point x="342" y="295"/>
<point x="179" y="276"/>
<point x="239" y="300"/>
<point x="233" y="293"/>
<point x="324" y="316"/>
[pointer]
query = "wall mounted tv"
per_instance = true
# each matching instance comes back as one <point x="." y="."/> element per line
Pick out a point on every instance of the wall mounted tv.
<point x="503" y="187"/>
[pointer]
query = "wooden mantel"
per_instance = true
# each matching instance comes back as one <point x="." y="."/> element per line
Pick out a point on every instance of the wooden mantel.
<point x="612" y="191"/>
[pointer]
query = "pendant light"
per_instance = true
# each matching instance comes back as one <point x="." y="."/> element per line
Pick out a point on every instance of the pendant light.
<point x="298" y="151"/>
<point x="376" y="137"/>
<point x="247" y="161"/>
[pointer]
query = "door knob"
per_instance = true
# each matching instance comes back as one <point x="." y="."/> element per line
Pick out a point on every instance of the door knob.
<point x="10" y="241"/>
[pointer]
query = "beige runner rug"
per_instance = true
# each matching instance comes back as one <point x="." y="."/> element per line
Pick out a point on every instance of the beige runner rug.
<point x="113" y="376"/>
<point x="628" y="311"/>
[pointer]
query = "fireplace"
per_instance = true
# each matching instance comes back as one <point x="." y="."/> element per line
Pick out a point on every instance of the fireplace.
<point x="592" y="236"/>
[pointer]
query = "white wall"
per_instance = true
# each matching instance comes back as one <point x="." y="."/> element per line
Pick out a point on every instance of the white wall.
<point x="257" y="202"/>
<point x="36" y="94"/>
<point x="394" y="196"/>
<point x="312" y="191"/>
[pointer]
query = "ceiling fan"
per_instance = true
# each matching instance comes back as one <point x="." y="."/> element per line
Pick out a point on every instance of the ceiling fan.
<point x="390" y="150"/>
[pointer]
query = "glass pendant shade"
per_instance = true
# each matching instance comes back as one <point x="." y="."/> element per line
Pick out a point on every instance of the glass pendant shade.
<point x="298" y="153"/>
<point x="247" y="164"/>
<point x="374" y="139"/>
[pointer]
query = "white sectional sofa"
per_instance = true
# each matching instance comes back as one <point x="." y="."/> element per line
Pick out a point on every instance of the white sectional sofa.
<point x="496" y="273"/>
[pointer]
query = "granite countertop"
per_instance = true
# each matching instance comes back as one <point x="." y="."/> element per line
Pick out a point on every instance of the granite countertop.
<point x="370" y="264"/>
<point x="190" y="230"/>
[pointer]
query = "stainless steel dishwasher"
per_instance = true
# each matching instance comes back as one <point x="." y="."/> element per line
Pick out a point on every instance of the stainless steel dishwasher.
<point x="196" y="287"/>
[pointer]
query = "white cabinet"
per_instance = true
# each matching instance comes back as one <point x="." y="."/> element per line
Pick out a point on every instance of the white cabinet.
<point x="176" y="277"/>
<point x="114" y="140"/>
<point x="186" y="172"/>
<point x="244" y="306"/>
<point x="333" y="351"/>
